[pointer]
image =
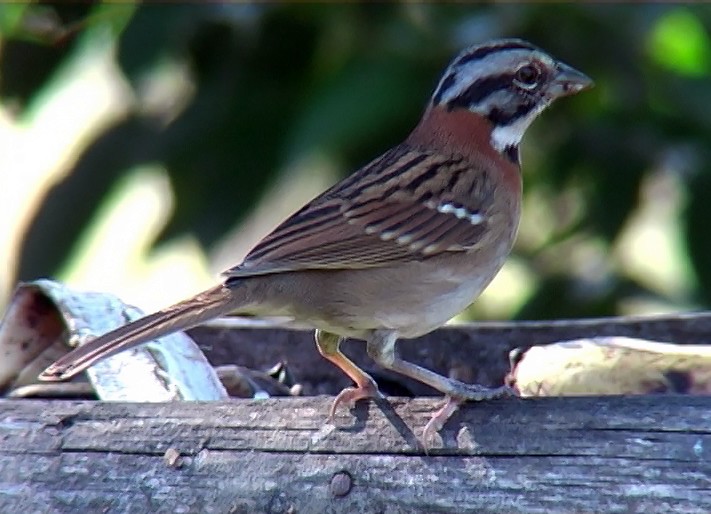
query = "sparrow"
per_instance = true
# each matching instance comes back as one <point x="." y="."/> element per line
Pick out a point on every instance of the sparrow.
<point x="400" y="246"/>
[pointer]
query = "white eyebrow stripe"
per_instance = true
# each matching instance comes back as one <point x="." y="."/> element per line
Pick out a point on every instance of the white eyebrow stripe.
<point x="461" y="212"/>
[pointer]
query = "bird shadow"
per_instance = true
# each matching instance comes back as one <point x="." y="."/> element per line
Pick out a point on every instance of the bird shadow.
<point x="361" y="416"/>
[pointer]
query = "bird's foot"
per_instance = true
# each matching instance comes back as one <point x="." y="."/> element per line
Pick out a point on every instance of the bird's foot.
<point x="478" y="393"/>
<point x="365" y="390"/>
<point x="437" y="421"/>
<point x="471" y="392"/>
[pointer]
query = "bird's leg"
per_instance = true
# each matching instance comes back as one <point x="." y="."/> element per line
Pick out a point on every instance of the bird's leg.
<point x="381" y="347"/>
<point x="328" y="345"/>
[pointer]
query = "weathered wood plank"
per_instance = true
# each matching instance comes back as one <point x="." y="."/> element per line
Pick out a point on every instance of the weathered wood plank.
<point x="643" y="454"/>
<point x="637" y="454"/>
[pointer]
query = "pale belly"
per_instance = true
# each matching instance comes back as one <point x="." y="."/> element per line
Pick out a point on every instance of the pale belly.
<point x="426" y="315"/>
<point x="410" y="300"/>
<point x="411" y="306"/>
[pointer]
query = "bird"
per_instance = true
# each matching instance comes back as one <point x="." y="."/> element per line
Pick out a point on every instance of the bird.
<point x="400" y="246"/>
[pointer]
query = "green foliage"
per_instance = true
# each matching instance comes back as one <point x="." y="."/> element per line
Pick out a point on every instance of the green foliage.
<point x="680" y="43"/>
<point x="272" y="84"/>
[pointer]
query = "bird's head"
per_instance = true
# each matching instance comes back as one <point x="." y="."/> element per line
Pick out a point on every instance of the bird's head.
<point x="508" y="82"/>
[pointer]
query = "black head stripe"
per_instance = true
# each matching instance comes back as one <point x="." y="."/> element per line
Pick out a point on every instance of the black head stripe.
<point x="483" y="51"/>
<point x="448" y="82"/>
<point x="480" y="89"/>
<point x="500" y="117"/>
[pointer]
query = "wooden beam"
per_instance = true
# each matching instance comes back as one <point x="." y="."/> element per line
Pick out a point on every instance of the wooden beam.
<point x="617" y="454"/>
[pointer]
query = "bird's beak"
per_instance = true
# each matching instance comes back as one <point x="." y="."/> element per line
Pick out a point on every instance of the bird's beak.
<point x="569" y="81"/>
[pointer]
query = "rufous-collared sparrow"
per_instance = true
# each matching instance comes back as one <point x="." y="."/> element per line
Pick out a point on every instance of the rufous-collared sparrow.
<point x="404" y="243"/>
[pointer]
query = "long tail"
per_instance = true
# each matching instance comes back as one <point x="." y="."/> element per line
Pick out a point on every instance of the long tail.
<point x="181" y="316"/>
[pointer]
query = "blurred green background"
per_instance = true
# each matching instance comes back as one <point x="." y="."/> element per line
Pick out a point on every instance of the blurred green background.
<point x="145" y="148"/>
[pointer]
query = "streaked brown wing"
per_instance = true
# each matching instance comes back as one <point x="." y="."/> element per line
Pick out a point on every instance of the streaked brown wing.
<point x="393" y="210"/>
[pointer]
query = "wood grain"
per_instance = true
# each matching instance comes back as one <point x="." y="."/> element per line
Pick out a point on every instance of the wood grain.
<point x="648" y="454"/>
<point x="616" y="454"/>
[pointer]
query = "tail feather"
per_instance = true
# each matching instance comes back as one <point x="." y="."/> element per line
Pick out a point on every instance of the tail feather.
<point x="181" y="316"/>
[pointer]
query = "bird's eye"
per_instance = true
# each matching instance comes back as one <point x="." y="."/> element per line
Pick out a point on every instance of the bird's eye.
<point x="527" y="76"/>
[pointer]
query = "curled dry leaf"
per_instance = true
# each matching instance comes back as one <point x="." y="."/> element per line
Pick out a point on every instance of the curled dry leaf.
<point x="611" y="365"/>
<point x="45" y="318"/>
<point x="32" y="335"/>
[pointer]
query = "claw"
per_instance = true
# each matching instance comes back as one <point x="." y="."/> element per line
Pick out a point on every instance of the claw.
<point x="441" y="416"/>
<point x="438" y="420"/>
<point x="350" y="395"/>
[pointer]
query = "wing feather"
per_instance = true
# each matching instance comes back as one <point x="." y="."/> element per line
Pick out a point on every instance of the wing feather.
<point x="396" y="209"/>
